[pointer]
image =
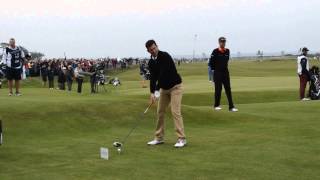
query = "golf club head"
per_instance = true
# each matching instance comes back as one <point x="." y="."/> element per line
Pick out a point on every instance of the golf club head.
<point x="117" y="145"/>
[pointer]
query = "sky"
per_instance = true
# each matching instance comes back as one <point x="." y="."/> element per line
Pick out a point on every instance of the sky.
<point x="119" y="28"/>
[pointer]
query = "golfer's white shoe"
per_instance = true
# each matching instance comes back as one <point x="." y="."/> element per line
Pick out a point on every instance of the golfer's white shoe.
<point x="155" y="142"/>
<point x="180" y="143"/>
<point x="234" y="110"/>
<point x="218" y="108"/>
<point x="305" y="99"/>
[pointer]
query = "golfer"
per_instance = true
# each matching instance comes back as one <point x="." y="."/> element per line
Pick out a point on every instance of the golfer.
<point x="13" y="57"/>
<point x="164" y="76"/>
<point x="303" y="72"/>
<point x="219" y="64"/>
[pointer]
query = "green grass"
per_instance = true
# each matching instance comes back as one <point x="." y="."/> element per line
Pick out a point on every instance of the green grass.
<point x="57" y="135"/>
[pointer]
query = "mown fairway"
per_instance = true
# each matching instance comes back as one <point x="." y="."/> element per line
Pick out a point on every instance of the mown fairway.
<point x="57" y="135"/>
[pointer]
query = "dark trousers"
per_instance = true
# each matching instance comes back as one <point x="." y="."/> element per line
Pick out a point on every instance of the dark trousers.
<point x="51" y="83"/>
<point x="222" y="78"/>
<point x="303" y="84"/>
<point x="93" y="83"/>
<point x="69" y="84"/>
<point x="62" y="86"/>
<point x="80" y="81"/>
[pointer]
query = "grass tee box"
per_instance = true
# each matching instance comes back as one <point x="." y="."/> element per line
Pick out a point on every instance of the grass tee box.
<point x="58" y="135"/>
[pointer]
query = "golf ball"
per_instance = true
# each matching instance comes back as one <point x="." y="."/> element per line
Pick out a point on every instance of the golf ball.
<point x="119" y="150"/>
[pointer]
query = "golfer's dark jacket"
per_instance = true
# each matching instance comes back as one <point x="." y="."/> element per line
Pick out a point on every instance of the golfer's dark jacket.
<point x="163" y="72"/>
<point x="219" y="60"/>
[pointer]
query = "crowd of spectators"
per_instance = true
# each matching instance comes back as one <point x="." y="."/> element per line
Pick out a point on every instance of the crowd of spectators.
<point x="35" y="67"/>
<point x="65" y="71"/>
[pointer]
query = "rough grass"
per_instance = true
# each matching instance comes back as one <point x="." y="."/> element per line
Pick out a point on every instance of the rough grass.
<point x="57" y="135"/>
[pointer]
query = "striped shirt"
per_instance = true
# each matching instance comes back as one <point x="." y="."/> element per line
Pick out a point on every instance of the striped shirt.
<point x="13" y="57"/>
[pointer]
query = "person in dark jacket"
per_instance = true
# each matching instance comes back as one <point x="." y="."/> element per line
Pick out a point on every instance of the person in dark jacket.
<point x="79" y="77"/>
<point x="69" y="77"/>
<point x="219" y="64"/>
<point x="44" y="72"/>
<point x="164" y="76"/>
<point x="62" y="78"/>
<point x="93" y="78"/>
<point x="51" y="71"/>
<point x="303" y="72"/>
<point x="144" y="73"/>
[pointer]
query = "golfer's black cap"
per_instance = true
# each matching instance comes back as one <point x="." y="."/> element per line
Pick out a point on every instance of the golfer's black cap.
<point x="305" y="49"/>
<point x="222" y="39"/>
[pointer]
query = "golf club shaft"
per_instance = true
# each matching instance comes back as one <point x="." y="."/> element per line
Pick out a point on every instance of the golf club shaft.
<point x="145" y="112"/>
<point x="137" y="123"/>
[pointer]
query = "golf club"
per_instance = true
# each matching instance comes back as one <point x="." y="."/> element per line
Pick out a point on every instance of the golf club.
<point x="119" y="145"/>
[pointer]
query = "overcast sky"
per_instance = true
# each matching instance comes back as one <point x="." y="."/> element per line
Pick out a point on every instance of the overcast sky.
<point x="119" y="28"/>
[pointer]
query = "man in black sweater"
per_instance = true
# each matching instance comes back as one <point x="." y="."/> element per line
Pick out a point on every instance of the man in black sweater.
<point x="219" y="64"/>
<point x="164" y="77"/>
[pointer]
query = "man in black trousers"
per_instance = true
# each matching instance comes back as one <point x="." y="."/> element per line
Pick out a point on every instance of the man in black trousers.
<point x="219" y="64"/>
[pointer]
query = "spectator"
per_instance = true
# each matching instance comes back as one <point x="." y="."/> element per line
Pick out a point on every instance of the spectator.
<point x="27" y="67"/>
<point x="62" y="78"/>
<point x="303" y="72"/>
<point x="69" y="77"/>
<point x="44" y="73"/>
<point x="13" y="57"/>
<point x="51" y="71"/>
<point x="79" y="77"/>
<point x="143" y="73"/>
<point x="93" y="79"/>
